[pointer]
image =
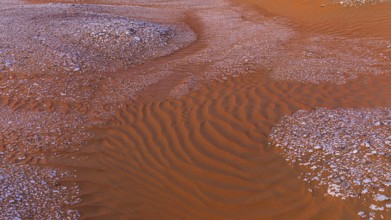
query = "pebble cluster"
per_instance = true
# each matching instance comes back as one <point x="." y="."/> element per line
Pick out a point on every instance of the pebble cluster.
<point x="344" y="153"/>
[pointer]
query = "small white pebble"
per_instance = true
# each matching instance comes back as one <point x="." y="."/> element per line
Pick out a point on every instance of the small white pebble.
<point x="376" y="208"/>
<point x="380" y="198"/>
<point x="361" y="214"/>
<point x="367" y="180"/>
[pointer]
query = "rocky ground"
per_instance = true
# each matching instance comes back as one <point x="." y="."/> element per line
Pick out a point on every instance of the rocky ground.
<point x="344" y="153"/>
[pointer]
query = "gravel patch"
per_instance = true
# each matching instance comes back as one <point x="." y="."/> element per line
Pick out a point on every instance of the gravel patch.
<point x="62" y="38"/>
<point x="28" y="135"/>
<point x="10" y="3"/>
<point x="344" y="153"/>
<point x="319" y="59"/>
<point x="355" y="3"/>
<point x="30" y="192"/>
<point x="232" y="53"/>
